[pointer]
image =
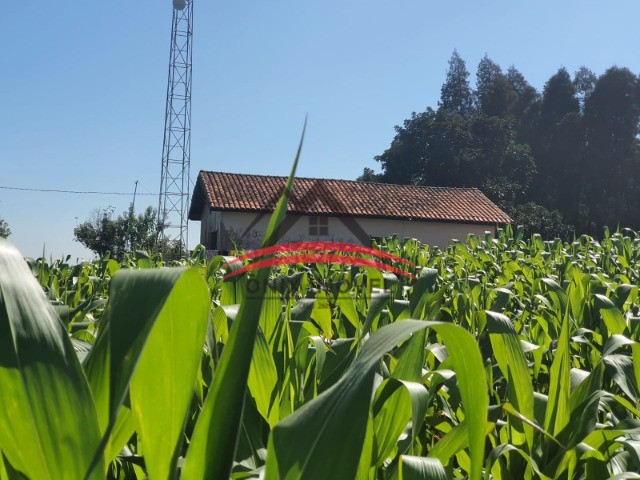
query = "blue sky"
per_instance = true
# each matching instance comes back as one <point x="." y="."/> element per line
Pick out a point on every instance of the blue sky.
<point x="82" y="90"/>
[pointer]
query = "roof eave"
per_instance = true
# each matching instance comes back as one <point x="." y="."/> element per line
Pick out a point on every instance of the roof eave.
<point x="378" y="217"/>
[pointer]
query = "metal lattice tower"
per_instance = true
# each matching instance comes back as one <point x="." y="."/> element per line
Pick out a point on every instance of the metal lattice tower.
<point x="173" y="204"/>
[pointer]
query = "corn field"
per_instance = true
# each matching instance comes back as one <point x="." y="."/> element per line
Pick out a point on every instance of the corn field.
<point x="505" y="358"/>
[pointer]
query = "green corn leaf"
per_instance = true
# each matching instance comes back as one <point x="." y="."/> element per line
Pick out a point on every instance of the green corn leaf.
<point x="507" y="407"/>
<point x="622" y="370"/>
<point x="262" y="380"/>
<point x="48" y="421"/>
<point x="423" y="285"/>
<point x="600" y="439"/>
<point x="321" y="314"/>
<point x="220" y="326"/>
<point x="336" y="362"/>
<point x="623" y="293"/>
<point x="635" y="356"/>
<point x="125" y="425"/>
<point x="250" y="452"/>
<point x="613" y="343"/>
<point x="213" y="443"/>
<point x="467" y="363"/>
<point x="154" y="348"/>
<point x="558" y="410"/>
<point x="611" y="316"/>
<point x="365" y="470"/>
<point x="377" y="302"/>
<point x="419" y="404"/>
<point x="505" y="450"/>
<point x="321" y="355"/>
<point x="270" y="315"/>
<point x="162" y="386"/>
<point x="411" y="361"/>
<point x="420" y="468"/>
<point x="626" y="476"/>
<point x="512" y="363"/>
<point x="455" y="440"/>
<point x="348" y="308"/>
<point x="294" y="454"/>
<point x="391" y="414"/>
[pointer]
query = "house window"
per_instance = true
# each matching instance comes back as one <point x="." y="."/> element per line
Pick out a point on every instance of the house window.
<point x="318" y="226"/>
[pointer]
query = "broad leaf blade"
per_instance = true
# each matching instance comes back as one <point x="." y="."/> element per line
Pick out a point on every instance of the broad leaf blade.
<point x="163" y="383"/>
<point x="420" y="468"/>
<point x="300" y="445"/>
<point x="512" y="363"/>
<point x="392" y="411"/>
<point x="48" y="421"/>
<point x="133" y="329"/>
<point x="295" y="454"/>
<point x="262" y="380"/>
<point x="214" y="439"/>
<point x="472" y="382"/>
<point x="558" y="408"/>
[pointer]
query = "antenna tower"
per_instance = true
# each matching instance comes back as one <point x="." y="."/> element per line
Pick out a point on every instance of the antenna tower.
<point x="173" y="204"/>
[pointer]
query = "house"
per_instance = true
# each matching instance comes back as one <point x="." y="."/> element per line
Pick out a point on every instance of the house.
<point x="234" y="210"/>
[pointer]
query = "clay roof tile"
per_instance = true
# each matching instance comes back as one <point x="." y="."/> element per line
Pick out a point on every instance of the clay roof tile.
<point x="260" y="193"/>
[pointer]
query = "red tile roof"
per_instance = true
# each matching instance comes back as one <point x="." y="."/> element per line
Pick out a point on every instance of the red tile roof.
<point x="319" y="196"/>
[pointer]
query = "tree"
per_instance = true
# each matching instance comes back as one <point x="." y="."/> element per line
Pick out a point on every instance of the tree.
<point x="455" y="95"/>
<point x="567" y="158"/>
<point x="526" y="106"/>
<point x="402" y="161"/>
<point x="102" y="233"/>
<point x="439" y="149"/>
<point x="584" y="81"/>
<point x="429" y="149"/>
<point x="557" y="145"/>
<point x="368" y="175"/>
<point x="504" y="168"/>
<point x="558" y="100"/>
<point x="537" y="219"/>
<point x="611" y="116"/>
<point x="494" y="95"/>
<point x="527" y="95"/>
<point x="4" y="228"/>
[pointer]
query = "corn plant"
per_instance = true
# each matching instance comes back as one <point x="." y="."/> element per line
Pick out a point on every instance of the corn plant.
<point x="503" y="358"/>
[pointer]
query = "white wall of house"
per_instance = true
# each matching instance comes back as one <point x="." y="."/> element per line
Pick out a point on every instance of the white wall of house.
<point x="230" y="230"/>
<point x="431" y="233"/>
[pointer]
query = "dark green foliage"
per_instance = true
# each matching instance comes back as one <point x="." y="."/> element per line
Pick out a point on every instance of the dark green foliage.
<point x="612" y="190"/>
<point x="456" y="96"/>
<point x="129" y="232"/>
<point x="438" y="149"/>
<point x="535" y="218"/>
<point x="566" y="160"/>
<point x="4" y="228"/>
<point x="557" y="145"/>
<point x="558" y="99"/>
<point x="404" y="159"/>
<point x="526" y="94"/>
<point x="368" y="175"/>
<point x="494" y="93"/>
<point x="584" y="81"/>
